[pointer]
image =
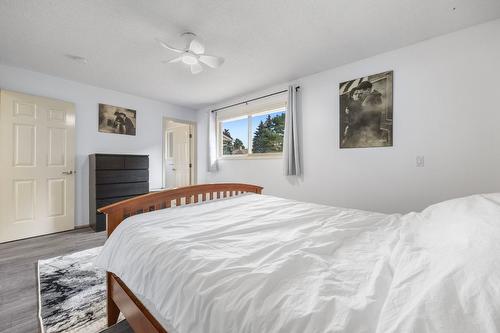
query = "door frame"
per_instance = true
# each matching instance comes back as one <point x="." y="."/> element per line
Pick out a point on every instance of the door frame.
<point x="193" y="149"/>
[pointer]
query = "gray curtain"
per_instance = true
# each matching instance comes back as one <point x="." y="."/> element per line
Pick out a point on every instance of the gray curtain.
<point x="291" y="152"/>
<point x="212" y="142"/>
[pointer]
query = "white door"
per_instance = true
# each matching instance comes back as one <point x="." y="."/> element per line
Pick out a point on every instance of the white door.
<point x="37" y="166"/>
<point x="169" y="160"/>
<point x="178" y="156"/>
<point x="182" y="156"/>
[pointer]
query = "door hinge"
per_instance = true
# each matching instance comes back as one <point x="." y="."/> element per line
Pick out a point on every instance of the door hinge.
<point x="190" y="165"/>
<point x="190" y="135"/>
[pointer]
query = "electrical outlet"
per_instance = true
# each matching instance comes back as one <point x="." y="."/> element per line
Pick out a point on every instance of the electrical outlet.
<point x="420" y="161"/>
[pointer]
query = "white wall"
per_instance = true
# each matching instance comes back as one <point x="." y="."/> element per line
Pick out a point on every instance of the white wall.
<point x="446" y="107"/>
<point x="88" y="140"/>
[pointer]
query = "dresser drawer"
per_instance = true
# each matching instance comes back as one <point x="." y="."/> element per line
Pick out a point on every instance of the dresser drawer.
<point x="104" y="191"/>
<point x="121" y="176"/>
<point x="136" y="162"/>
<point x="104" y="162"/>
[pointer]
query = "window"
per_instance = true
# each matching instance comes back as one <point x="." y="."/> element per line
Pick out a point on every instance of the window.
<point x="252" y="133"/>
<point x="267" y="132"/>
<point x="235" y="136"/>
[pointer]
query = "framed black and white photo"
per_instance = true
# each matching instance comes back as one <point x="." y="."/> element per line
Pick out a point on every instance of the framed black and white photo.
<point x="366" y="111"/>
<point x="114" y="119"/>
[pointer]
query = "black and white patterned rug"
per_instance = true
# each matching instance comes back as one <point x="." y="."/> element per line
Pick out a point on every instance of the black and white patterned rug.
<point x="72" y="293"/>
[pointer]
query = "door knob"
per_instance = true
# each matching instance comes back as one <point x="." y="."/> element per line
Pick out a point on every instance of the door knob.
<point x="67" y="172"/>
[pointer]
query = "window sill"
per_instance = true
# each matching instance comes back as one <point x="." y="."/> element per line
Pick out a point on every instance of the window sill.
<point x="252" y="157"/>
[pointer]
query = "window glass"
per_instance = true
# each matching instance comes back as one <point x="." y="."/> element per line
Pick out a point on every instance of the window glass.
<point x="255" y="131"/>
<point x="267" y="132"/>
<point x="234" y="134"/>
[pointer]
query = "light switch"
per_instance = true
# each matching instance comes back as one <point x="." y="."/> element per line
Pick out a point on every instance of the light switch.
<point x="420" y="161"/>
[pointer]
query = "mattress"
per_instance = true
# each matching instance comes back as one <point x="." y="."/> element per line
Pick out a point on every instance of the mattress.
<point x="257" y="263"/>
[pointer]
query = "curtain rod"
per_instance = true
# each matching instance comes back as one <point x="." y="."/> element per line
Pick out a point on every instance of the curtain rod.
<point x="254" y="99"/>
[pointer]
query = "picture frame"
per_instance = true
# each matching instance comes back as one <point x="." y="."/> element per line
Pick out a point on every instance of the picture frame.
<point x="366" y="111"/>
<point x="117" y="120"/>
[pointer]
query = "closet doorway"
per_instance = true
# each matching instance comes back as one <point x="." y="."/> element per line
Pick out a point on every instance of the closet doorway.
<point x="179" y="153"/>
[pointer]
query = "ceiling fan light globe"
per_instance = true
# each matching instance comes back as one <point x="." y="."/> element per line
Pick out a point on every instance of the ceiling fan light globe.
<point x="196" y="68"/>
<point x="189" y="59"/>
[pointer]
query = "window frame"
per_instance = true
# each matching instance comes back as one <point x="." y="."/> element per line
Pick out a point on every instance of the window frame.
<point x="262" y="110"/>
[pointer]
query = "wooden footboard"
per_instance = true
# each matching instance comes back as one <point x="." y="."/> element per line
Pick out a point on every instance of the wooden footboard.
<point x="120" y="298"/>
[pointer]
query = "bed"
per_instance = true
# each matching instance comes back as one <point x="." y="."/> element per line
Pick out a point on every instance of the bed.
<point x="225" y="258"/>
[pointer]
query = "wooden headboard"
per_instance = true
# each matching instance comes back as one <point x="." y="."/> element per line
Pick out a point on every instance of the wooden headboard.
<point x="119" y="211"/>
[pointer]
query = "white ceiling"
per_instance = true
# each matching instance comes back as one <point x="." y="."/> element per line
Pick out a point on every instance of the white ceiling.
<point x="265" y="42"/>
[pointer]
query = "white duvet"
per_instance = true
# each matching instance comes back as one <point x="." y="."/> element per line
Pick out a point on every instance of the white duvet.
<point x="257" y="263"/>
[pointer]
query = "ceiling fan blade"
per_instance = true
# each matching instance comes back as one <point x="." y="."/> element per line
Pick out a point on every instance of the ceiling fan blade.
<point x="177" y="59"/>
<point x="168" y="47"/>
<point x="196" y="68"/>
<point x="196" y="46"/>
<point x="211" y="61"/>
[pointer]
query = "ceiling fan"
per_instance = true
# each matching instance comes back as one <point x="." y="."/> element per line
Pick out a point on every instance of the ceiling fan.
<point x="193" y="54"/>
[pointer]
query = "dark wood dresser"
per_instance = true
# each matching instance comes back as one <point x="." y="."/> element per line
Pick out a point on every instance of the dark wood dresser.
<point x="114" y="178"/>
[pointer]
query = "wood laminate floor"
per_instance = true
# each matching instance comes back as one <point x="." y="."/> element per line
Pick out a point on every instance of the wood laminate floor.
<point x="18" y="281"/>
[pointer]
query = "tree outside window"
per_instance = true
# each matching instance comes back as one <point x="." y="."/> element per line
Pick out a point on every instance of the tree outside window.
<point x="268" y="137"/>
